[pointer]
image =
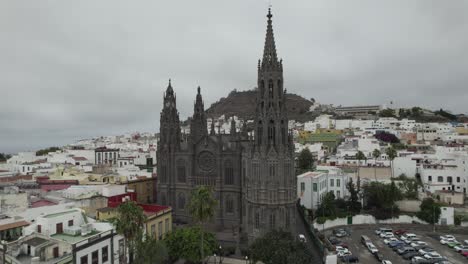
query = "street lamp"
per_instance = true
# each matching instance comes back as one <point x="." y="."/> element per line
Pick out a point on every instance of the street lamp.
<point x="246" y="259"/>
<point x="214" y="255"/>
<point x="221" y="254"/>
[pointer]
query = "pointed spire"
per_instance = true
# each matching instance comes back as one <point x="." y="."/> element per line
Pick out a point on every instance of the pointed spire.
<point x="269" y="51"/>
<point x="169" y="90"/>
<point x="233" y="126"/>
<point x="212" y="130"/>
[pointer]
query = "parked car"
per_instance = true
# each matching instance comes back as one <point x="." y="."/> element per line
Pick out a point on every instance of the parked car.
<point x="340" y="248"/>
<point x="365" y="240"/>
<point x="386" y="262"/>
<point x="421" y="260"/>
<point x="446" y="237"/>
<point x="460" y="248"/>
<point x="465" y="254"/>
<point x="408" y="235"/>
<point x="302" y="238"/>
<point x="447" y="240"/>
<point x="350" y="259"/>
<point x="432" y="255"/>
<point x="426" y="250"/>
<point x="372" y="248"/>
<point x="340" y="232"/>
<point x="379" y="256"/>
<point x="388" y="240"/>
<point x="342" y="244"/>
<point x="395" y="243"/>
<point x="410" y="255"/>
<point x="400" y="232"/>
<point x="386" y="235"/>
<point x="383" y="229"/>
<point x="405" y="250"/>
<point x="453" y="244"/>
<point x="418" y="243"/>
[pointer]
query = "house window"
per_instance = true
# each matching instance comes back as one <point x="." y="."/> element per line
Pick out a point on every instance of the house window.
<point x="166" y="222"/>
<point x="153" y="230"/>
<point x="338" y="183"/>
<point x="440" y="179"/>
<point x="332" y="182"/>
<point x="84" y="260"/>
<point x="95" y="257"/>
<point x="458" y="179"/>
<point x="449" y="179"/>
<point x="314" y="186"/>
<point x="105" y="254"/>
<point x="338" y="194"/>
<point x="160" y="233"/>
<point x="70" y="222"/>
<point x="302" y="186"/>
<point x="39" y="228"/>
<point x="429" y="178"/>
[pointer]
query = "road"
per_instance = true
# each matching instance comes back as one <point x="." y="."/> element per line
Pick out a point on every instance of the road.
<point x="313" y="250"/>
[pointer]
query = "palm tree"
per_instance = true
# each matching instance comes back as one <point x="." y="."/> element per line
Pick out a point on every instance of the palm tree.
<point x="129" y="223"/>
<point x="376" y="154"/>
<point x="359" y="156"/>
<point x="202" y="206"/>
<point x="391" y="153"/>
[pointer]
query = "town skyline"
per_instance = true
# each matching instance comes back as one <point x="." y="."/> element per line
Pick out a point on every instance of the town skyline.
<point x="106" y="74"/>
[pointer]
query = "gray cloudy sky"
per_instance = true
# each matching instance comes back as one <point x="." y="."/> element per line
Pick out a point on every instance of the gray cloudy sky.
<point x="78" y="69"/>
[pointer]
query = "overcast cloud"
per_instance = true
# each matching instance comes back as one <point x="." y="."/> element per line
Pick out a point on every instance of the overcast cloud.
<point x="79" y="69"/>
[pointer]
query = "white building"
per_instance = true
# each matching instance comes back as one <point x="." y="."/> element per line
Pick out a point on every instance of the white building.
<point x="312" y="186"/>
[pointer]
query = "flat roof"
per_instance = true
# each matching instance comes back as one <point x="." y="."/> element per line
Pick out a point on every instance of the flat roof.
<point x="36" y="241"/>
<point x="59" y="214"/>
<point x="73" y="239"/>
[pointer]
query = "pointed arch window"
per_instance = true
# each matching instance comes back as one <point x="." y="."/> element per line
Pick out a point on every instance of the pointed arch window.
<point x="163" y="174"/>
<point x="272" y="221"/>
<point x="229" y="205"/>
<point x="257" y="220"/>
<point x="181" y="201"/>
<point x="228" y="173"/>
<point x="181" y="171"/>
<point x="270" y="88"/>
<point x="262" y="88"/>
<point x="279" y="89"/>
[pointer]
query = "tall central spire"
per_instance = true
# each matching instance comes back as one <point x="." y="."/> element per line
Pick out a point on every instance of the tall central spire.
<point x="269" y="51"/>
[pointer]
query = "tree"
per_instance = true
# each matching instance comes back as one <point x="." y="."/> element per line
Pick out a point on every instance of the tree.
<point x="4" y="157"/>
<point x="149" y="250"/>
<point x="360" y="156"/>
<point x="387" y="113"/>
<point x="327" y="207"/>
<point x="278" y="247"/>
<point x="391" y="153"/>
<point x="202" y="206"/>
<point x="305" y="161"/>
<point x="353" y="202"/>
<point x="381" y="198"/>
<point x="184" y="243"/>
<point x="387" y="137"/>
<point x="376" y="154"/>
<point x="429" y="211"/>
<point x="409" y="186"/>
<point x="46" y="151"/>
<point x="129" y="223"/>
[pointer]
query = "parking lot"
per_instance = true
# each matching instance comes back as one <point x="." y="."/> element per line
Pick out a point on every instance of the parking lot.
<point x="432" y="239"/>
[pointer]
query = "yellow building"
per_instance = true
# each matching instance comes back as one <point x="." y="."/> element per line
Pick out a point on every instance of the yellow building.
<point x="158" y="218"/>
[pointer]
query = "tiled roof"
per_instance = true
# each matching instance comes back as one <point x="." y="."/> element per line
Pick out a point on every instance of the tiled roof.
<point x="42" y="203"/>
<point x="13" y="225"/>
<point x="79" y="158"/>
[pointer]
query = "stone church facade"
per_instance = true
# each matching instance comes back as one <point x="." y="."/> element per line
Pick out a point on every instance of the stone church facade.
<point x="252" y="176"/>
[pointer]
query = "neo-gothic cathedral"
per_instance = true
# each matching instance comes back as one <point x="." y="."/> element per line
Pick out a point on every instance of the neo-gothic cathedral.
<point x="252" y="177"/>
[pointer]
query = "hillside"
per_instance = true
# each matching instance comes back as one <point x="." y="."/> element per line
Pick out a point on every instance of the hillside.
<point x="242" y="104"/>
